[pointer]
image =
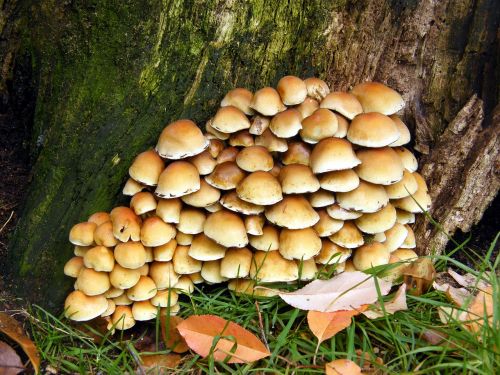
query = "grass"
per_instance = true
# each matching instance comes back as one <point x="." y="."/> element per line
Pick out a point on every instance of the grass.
<point x="399" y="339"/>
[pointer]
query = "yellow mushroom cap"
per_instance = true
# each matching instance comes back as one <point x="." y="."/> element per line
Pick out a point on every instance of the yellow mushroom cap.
<point x="73" y="266"/>
<point x="326" y="226"/>
<point x="191" y="221"/>
<point x="126" y="224"/>
<point x="163" y="274"/>
<point x="228" y="154"/>
<point x="339" y="213"/>
<point x="230" y="120"/>
<point x="395" y="236"/>
<point x="144" y="289"/>
<point x="233" y="203"/>
<point x="122" y="319"/>
<point x="124" y="278"/>
<point x="169" y="210"/>
<point x="212" y="132"/>
<point x="236" y="263"/>
<point x="365" y="198"/>
<point x="226" y="176"/>
<point x="113" y="292"/>
<point x="319" y="125"/>
<point x="260" y="188"/>
<point x="92" y="282"/>
<point x="342" y="126"/>
<point x="184" y="239"/>
<point x="122" y="300"/>
<point x="210" y="271"/>
<point x="144" y="310"/>
<point x="143" y="202"/>
<point x="178" y="179"/>
<point x="297" y="153"/>
<point x="239" y="98"/>
<point x="99" y="258"/>
<point x="316" y="88"/>
<point x="332" y="253"/>
<point x="146" y="168"/>
<point x="307" y="107"/>
<point x="321" y="198"/>
<point x="403" y="188"/>
<point x="203" y="248"/>
<point x="292" y="90"/>
<point x="286" y="124"/>
<point x="204" y="163"/>
<point x="226" y="228"/>
<point x="254" y="224"/>
<point x="82" y="234"/>
<point x="339" y="181"/>
<point x="297" y="179"/>
<point x="132" y="187"/>
<point x="370" y="255"/>
<point x="299" y="243"/>
<point x="255" y="158"/>
<point x="164" y="253"/>
<point x="243" y="138"/>
<point x="99" y="218"/>
<point x="372" y="130"/>
<point x="333" y="154"/>
<point x="342" y="102"/>
<point x="110" y="309"/>
<point x="348" y="236"/>
<point x="259" y="125"/>
<point x="206" y="196"/>
<point x="293" y="212"/>
<point x="404" y="132"/>
<point x="184" y="285"/>
<point x="407" y="158"/>
<point x="270" y="266"/>
<point x="419" y="201"/>
<point x="267" y="241"/>
<point x="267" y="101"/>
<point x="409" y="242"/>
<point x="155" y="232"/>
<point x="377" y="222"/>
<point x="403" y="217"/>
<point x="377" y="97"/>
<point x="307" y="269"/>
<point x="181" y="139"/>
<point x="130" y="254"/>
<point x="271" y="142"/>
<point x="103" y="235"/>
<point x="379" y="166"/>
<point x="165" y="298"/>
<point x="80" y="307"/>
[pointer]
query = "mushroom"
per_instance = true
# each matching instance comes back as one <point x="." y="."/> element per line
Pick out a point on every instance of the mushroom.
<point x="259" y="125"/>
<point x="292" y="90"/>
<point x="230" y="120"/>
<point x="372" y="130"/>
<point x="226" y="228"/>
<point x="226" y="176"/>
<point x="255" y="158"/>
<point x="286" y="124"/>
<point x="184" y="263"/>
<point x="73" y="267"/>
<point x="228" y="154"/>
<point x="379" y="166"/>
<point x="99" y="258"/>
<point x="267" y="241"/>
<point x="191" y="221"/>
<point x="299" y="243"/>
<point x="143" y="202"/>
<point x="143" y="290"/>
<point x="206" y="196"/>
<point x="326" y="226"/>
<point x="316" y="88"/>
<point x="82" y="234"/>
<point x="169" y="210"/>
<point x="339" y="213"/>
<point x="146" y="168"/>
<point x="124" y="278"/>
<point x="297" y="153"/>
<point x="370" y="255"/>
<point x="122" y="319"/>
<point x="344" y="103"/>
<point x="92" y="282"/>
<point x="144" y="310"/>
<point x="178" y="179"/>
<point x="270" y="266"/>
<point x="130" y="254"/>
<point x="297" y="179"/>
<point x="319" y="125"/>
<point x="81" y="307"/>
<point x="260" y="188"/>
<point x="210" y="271"/>
<point x="339" y="181"/>
<point x="365" y="198"/>
<point x="184" y="239"/>
<point x="99" y="218"/>
<point x="126" y="224"/>
<point x="293" y="212"/>
<point x="205" y="249"/>
<point x="307" y="107"/>
<point x="332" y="253"/>
<point x="403" y="188"/>
<point x="132" y="187"/>
<point x="348" y="236"/>
<point x="165" y="298"/>
<point x="404" y="132"/>
<point x="377" y="97"/>
<point x="333" y="154"/>
<point x="271" y="142"/>
<point x="407" y="158"/>
<point x="254" y="224"/>
<point x="103" y="235"/>
<point x="377" y="222"/>
<point x="239" y="98"/>
<point x="243" y="138"/>
<point x="236" y="263"/>
<point x="321" y="198"/>
<point x="204" y="163"/>
<point x="164" y="253"/>
<point x="163" y="274"/>
<point x="181" y="139"/>
<point x="233" y="203"/>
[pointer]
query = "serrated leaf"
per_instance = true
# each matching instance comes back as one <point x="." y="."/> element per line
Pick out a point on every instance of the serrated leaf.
<point x="10" y="363"/>
<point x="210" y="334"/>
<point x="346" y="291"/>
<point x="325" y="325"/>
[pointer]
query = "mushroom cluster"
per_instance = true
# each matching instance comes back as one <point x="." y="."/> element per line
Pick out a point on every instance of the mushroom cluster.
<point x="284" y="182"/>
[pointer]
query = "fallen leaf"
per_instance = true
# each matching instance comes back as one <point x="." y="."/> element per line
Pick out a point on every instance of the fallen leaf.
<point x="11" y="327"/>
<point x="468" y="280"/>
<point x="434" y="337"/>
<point x="210" y="334"/>
<point x="171" y="336"/>
<point x="159" y="362"/>
<point x="448" y="314"/>
<point x="419" y="275"/>
<point x="10" y="363"/>
<point x="325" y="325"/>
<point x="346" y="291"/>
<point x="398" y="303"/>
<point x="342" y="367"/>
<point x="480" y="311"/>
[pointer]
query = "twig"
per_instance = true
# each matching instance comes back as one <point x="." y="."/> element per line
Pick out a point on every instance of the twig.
<point x="261" y="325"/>
<point x="7" y="222"/>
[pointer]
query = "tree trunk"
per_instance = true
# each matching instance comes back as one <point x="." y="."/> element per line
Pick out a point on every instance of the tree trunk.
<point x="110" y="74"/>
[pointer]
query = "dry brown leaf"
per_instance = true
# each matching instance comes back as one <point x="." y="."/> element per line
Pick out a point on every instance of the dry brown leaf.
<point x="325" y="325"/>
<point x="480" y="311"/>
<point x="10" y="363"/>
<point x="419" y="275"/>
<point x="160" y="363"/>
<point x="434" y="337"/>
<point x="346" y="291"/>
<point x="11" y="327"/>
<point x="398" y="303"/>
<point x="210" y="334"/>
<point x="468" y="280"/>
<point x="448" y="314"/>
<point x="342" y="367"/>
<point x="171" y="336"/>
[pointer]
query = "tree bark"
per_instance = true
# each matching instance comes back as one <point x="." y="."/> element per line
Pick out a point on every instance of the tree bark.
<point x="110" y="74"/>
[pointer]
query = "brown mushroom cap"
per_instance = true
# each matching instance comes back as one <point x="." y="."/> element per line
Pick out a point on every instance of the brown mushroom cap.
<point x="404" y="132"/>
<point x="191" y="221"/>
<point x="92" y="282"/>
<point x="144" y="289"/>
<point x="297" y="179"/>
<point x="164" y="253"/>
<point x="333" y="154"/>
<point x="169" y="210"/>
<point x="259" y="125"/>
<point x="100" y="259"/>
<point x="417" y="202"/>
<point x="271" y="142"/>
<point x="342" y="126"/>
<point x="377" y="97"/>
<point x="297" y="153"/>
<point x="254" y="224"/>
<point x="243" y="138"/>
<point x="332" y="253"/>
<point x="299" y="243"/>
<point x="181" y="139"/>
<point x="326" y="226"/>
<point x="80" y="307"/>
<point x="210" y="271"/>
<point x="212" y="132"/>
<point x="348" y="236"/>
<point x="124" y="278"/>
<point x="319" y="125"/>
<point x="204" y="163"/>
<point x="407" y="186"/>
<point x="247" y="286"/>
<point x="82" y="234"/>
<point x="214" y="207"/>
<point x="228" y="154"/>
<point x="342" y="102"/>
<point x="372" y="130"/>
<point x="99" y="218"/>
<point x="377" y="222"/>
<point x="316" y="88"/>
<point x="236" y="263"/>
<point x="239" y="98"/>
<point x="286" y="124"/>
<point x="122" y="319"/>
<point x="132" y="187"/>
<point x="206" y="196"/>
<point x="365" y="198"/>
<point x="155" y="232"/>
<point x="126" y="224"/>
<point x="143" y="202"/>
<point x="267" y="101"/>
<point x="339" y="181"/>
<point x="379" y="166"/>
<point x="370" y="255"/>
<point x="292" y="90"/>
<point x="130" y="254"/>
<point x="321" y="198"/>
<point x="226" y="228"/>
<point x="233" y="203"/>
<point x="293" y="212"/>
<point x="255" y="158"/>
<point x="226" y="176"/>
<point x="203" y="248"/>
<point x="178" y="179"/>
<point x="163" y="274"/>
<point x="146" y="168"/>
<point x="407" y="158"/>
<point x="103" y="235"/>
<point x="339" y="213"/>
<point x="230" y="120"/>
<point x="267" y="241"/>
<point x="144" y="310"/>
<point x="307" y="107"/>
<point x="260" y="188"/>
<point x="73" y="267"/>
<point x="270" y="266"/>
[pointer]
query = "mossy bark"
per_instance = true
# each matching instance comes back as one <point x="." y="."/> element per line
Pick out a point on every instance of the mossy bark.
<point x="110" y="75"/>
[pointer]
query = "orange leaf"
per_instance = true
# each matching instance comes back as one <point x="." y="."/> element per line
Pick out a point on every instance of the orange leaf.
<point x="171" y="337"/>
<point x="157" y="361"/>
<point x="10" y="363"/>
<point x="229" y="339"/>
<point x="325" y="325"/>
<point x="480" y="311"/>
<point x="11" y="327"/>
<point x="342" y="367"/>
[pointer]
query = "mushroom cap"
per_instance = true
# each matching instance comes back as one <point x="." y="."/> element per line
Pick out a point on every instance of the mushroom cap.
<point x="169" y="210"/>
<point x="342" y="126"/>
<point x="103" y="235"/>
<point x="143" y="202"/>
<point x="409" y="242"/>
<point x="316" y="88"/>
<point x="226" y="228"/>
<point x="403" y="217"/>
<point x="339" y="213"/>
<point x="326" y="226"/>
<point x="144" y="310"/>
<point x="377" y="97"/>
<point x="419" y="201"/>
<point x="299" y="243"/>
<point x="206" y="196"/>
<point x="270" y="266"/>
<point x="80" y="307"/>
<point x="286" y="124"/>
<point x="185" y="284"/>
<point x="239" y="98"/>
<point x="297" y="153"/>
<point x="126" y="224"/>
<point x="228" y="154"/>
<point x="307" y="107"/>
<point x="333" y="154"/>
<point x="230" y="120"/>
<point x="191" y="221"/>
<point x="236" y="263"/>
<point x="146" y="168"/>
<point x="271" y="142"/>
<point x="124" y="278"/>
<point x="267" y="241"/>
<point x="365" y="198"/>
<point x="405" y="254"/>
<point x="73" y="267"/>
<point x="210" y="271"/>
<point x="155" y="232"/>
<point x="254" y="224"/>
<point x="339" y="181"/>
<point x="259" y="125"/>
<point x="82" y="234"/>
<point x="332" y="253"/>
<point x="379" y="237"/>
<point x="144" y="289"/>
<point x="255" y="158"/>
<point x="407" y="158"/>
<point x="226" y="176"/>
<point x="178" y="179"/>
<point x="267" y="101"/>
<point x="404" y="132"/>
<point x="122" y="319"/>
<point x="163" y="274"/>
<point x="243" y="138"/>
<point x="232" y="202"/>
<point x="370" y="255"/>
<point x="215" y="147"/>
<point x="113" y="292"/>
<point x="293" y="212"/>
<point x="204" y="163"/>
<point x="260" y="188"/>
<point x="132" y="187"/>
<point x="372" y="130"/>
<point x="165" y="298"/>
<point x="319" y="125"/>
<point x="297" y="179"/>
<point x="130" y="254"/>
<point x="292" y="90"/>
<point x="307" y="269"/>
<point x="92" y="282"/>
<point x="165" y="252"/>
<point x="183" y="239"/>
<point x="403" y="188"/>
<point x="122" y="300"/>
<point x="203" y="248"/>
<point x="212" y="132"/>
<point x="379" y="166"/>
<point x="180" y="139"/>
<point x="395" y="236"/>
<point x="321" y="198"/>
<point x="377" y="222"/>
<point x="247" y="286"/>
<point x="342" y="102"/>
<point x="214" y="207"/>
<point x="348" y="236"/>
<point x="99" y="258"/>
<point x="110" y="309"/>
<point x="99" y="218"/>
